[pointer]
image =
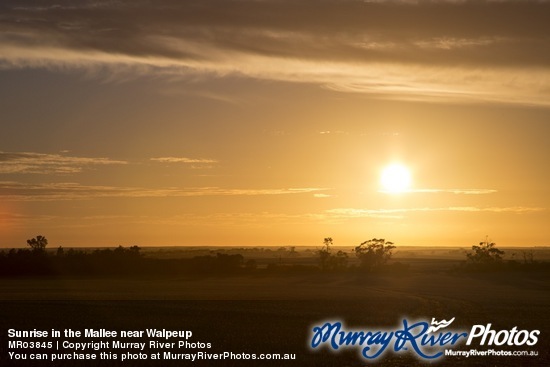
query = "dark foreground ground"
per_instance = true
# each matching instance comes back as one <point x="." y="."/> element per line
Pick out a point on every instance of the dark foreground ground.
<point x="274" y="313"/>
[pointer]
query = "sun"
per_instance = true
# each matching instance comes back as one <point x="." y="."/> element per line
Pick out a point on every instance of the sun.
<point x="395" y="179"/>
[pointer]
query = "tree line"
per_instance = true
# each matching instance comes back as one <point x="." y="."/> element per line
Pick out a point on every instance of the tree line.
<point x="375" y="254"/>
<point x="372" y="256"/>
<point x="118" y="261"/>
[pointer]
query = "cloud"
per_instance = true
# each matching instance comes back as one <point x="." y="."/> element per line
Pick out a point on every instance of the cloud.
<point x="322" y="196"/>
<point x="459" y="191"/>
<point x="183" y="160"/>
<point x="512" y="209"/>
<point x="194" y="163"/>
<point x="399" y="213"/>
<point x="16" y="191"/>
<point x="447" y="43"/>
<point x="337" y="132"/>
<point x="427" y="50"/>
<point x="450" y="191"/>
<point x="41" y="163"/>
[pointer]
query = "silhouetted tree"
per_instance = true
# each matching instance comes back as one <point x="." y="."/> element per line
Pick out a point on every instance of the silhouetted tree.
<point x="485" y="253"/>
<point x="293" y="251"/>
<point x="324" y="253"/>
<point x="38" y="244"/>
<point x="330" y="261"/>
<point x="374" y="253"/>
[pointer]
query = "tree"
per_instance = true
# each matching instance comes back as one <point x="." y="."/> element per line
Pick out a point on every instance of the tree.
<point x="324" y="253"/>
<point x="374" y="253"/>
<point x="38" y="244"/>
<point x="485" y="253"/>
<point x="330" y="261"/>
<point x="60" y="251"/>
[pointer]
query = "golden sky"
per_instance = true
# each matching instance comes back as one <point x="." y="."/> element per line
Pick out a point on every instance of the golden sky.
<point x="270" y="122"/>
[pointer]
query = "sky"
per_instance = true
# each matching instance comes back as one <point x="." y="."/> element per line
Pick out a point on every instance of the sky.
<point x="270" y="122"/>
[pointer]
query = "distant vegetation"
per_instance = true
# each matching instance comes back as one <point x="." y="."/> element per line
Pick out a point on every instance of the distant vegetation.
<point x="486" y="253"/>
<point x="328" y="260"/>
<point x="487" y="257"/>
<point x="372" y="256"/>
<point x="117" y="261"/>
<point x="375" y="253"/>
<point x="38" y="244"/>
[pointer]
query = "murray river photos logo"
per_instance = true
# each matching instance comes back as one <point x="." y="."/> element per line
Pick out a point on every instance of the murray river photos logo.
<point x="426" y="340"/>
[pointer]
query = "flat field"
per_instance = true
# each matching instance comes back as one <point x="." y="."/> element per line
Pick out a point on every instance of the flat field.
<point x="274" y="312"/>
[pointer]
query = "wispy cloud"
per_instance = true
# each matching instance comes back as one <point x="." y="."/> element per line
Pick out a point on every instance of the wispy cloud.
<point x="512" y="209"/>
<point x="41" y="163"/>
<point x="193" y="163"/>
<point x="400" y="212"/>
<point x="183" y="160"/>
<point x="448" y="191"/>
<point x="458" y="191"/>
<point x="425" y="50"/>
<point x="337" y="132"/>
<point x="15" y="191"/>
<point x="447" y="43"/>
<point x="322" y="196"/>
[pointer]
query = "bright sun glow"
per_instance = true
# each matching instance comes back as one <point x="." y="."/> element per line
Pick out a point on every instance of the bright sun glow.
<point x="395" y="178"/>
